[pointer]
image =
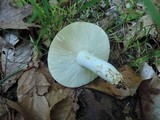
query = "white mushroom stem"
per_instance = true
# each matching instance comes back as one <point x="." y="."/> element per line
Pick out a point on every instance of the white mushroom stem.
<point x="100" y="67"/>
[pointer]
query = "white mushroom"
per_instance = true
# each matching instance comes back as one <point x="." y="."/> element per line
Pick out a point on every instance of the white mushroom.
<point x="79" y="53"/>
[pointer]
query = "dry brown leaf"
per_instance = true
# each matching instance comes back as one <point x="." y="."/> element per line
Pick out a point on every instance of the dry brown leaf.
<point x="35" y="107"/>
<point x="63" y="110"/>
<point x="14" y="61"/>
<point x="55" y="96"/>
<point x="60" y="99"/>
<point x="35" y="81"/>
<point x="32" y="79"/>
<point x="41" y="83"/>
<point x="32" y="103"/>
<point x="101" y="85"/>
<point x="131" y="80"/>
<point x="149" y="94"/>
<point x="11" y="17"/>
<point x="62" y="104"/>
<point x="11" y="114"/>
<point x="32" y="107"/>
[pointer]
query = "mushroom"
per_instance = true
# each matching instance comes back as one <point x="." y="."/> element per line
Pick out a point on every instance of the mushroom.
<point x="79" y="53"/>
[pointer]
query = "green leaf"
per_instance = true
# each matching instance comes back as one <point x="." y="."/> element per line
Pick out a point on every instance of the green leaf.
<point x="153" y="11"/>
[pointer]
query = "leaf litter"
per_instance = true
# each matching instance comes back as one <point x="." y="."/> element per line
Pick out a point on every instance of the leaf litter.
<point x="11" y="17"/>
<point x="15" y="60"/>
<point x="149" y="94"/>
<point x="38" y="99"/>
<point x="131" y="81"/>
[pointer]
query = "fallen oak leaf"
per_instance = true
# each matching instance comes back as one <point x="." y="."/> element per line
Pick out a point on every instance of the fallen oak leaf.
<point x="55" y="96"/>
<point x="62" y="101"/>
<point x="63" y="110"/>
<point x="62" y="104"/>
<point x="11" y="17"/>
<point x="60" y="96"/>
<point x="32" y="79"/>
<point x="35" y="107"/>
<point x="32" y="107"/>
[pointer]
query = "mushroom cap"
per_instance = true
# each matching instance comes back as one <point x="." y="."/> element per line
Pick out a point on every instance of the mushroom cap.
<point x="67" y="44"/>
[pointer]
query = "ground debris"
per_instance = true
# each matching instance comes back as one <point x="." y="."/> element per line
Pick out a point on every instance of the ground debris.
<point x="149" y="103"/>
<point x="98" y="106"/>
<point x="15" y="60"/>
<point x="11" y="17"/>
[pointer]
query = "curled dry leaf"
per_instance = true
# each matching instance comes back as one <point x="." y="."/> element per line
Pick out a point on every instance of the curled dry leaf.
<point x="54" y="97"/>
<point x="11" y="17"/>
<point x="63" y="110"/>
<point x="131" y="80"/>
<point x="15" y="60"/>
<point x="149" y="94"/>
<point x="65" y="107"/>
<point x="62" y="104"/>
